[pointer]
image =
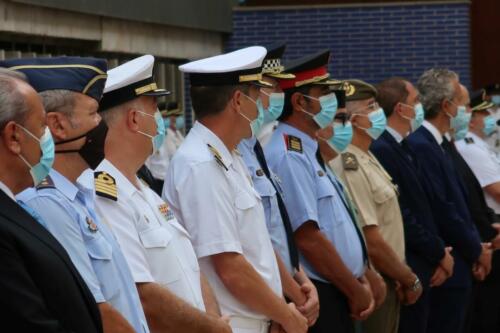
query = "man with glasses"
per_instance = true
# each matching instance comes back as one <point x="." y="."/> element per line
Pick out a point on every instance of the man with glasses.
<point x="331" y="247"/>
<point x="424" y="249"/>
<point x="377" y="200"/>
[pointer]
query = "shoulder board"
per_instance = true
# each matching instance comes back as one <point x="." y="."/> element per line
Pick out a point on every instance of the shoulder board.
<point x="46" y="183"/>
<point x="217" y="156"/>
<point x="349" y="161"/>
<point x="469" y="140"/>
<point x="105" y="185"/>
<point x="293" y="143"/>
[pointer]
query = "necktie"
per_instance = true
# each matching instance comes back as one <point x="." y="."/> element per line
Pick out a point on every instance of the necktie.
<point x="348" y="205"/>
<point x="294" y="255"/>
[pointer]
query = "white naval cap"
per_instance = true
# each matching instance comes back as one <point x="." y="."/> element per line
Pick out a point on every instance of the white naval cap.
<point x="233" y="68"/>
<point x="129" y="81"/>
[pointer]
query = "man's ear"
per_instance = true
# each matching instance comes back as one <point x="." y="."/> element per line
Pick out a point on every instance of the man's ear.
<point x="132" y="117"/>
<point x="58" y="124"/>
<point x="235" y="100"/>
<point x="445" y="105"/>
<point x="11" y="137"/>
<point x="297" y="100"/>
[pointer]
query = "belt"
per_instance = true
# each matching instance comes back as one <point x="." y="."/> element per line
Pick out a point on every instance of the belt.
<point x="259" y="325"/>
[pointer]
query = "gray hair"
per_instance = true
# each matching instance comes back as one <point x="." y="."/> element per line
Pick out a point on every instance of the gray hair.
<point x="59" y="100"/>
<point x="13" y="105"/>
<point x="434" y="86"/>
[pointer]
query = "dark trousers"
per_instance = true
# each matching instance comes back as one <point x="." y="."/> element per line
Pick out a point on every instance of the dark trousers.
<point x="415" y="318"/>
<point x="485" y="308"/>
<point x="448" y="309"/>
<point x="334" y="312"/>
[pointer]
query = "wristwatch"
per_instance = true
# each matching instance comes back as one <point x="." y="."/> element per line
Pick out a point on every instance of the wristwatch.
<point x="416" y="285"/>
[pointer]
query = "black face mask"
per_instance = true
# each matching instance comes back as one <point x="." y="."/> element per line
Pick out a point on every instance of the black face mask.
<point x="92" y="150"/>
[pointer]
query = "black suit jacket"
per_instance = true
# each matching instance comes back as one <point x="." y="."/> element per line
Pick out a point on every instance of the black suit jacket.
<point x="448" y="198"/>
<point x="482" y="215"/>
<point x="424" y="247"/>
<point x="40" y="289"/>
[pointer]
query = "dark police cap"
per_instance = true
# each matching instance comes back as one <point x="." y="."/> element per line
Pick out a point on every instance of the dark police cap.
<point x="79" y="74"/>
<point x="478" y="102"/>
<point x="272" y="65"/>
<point x="311" y="69"/>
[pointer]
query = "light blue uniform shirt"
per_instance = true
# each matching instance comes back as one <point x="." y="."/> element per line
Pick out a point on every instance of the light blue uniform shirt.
<point x="310" y="195"/>
<point x="68" y="213"/>
<point x="267" y="192"/>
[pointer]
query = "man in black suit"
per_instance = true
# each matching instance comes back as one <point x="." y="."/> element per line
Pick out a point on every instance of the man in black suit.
<point x="425" y="250"/>
<point x="485" y="309"/>
<point x="441" y="97"/>
<point x="41" y="289"/>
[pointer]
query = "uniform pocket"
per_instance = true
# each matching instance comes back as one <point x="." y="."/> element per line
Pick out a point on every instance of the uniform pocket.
<point x="382" y="193"/>
<point x="161" y="254"/>
<point x="245" y="201"/>
<point x="101" y="255"/>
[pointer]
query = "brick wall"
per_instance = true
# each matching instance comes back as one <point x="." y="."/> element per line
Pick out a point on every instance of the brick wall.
<point x="367" y="42"/>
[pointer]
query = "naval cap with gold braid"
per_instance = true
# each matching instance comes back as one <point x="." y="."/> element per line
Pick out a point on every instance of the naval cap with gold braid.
<point x="233" y="68"/>
<point x="84" y="75"/>
<point x="129" y="81"/>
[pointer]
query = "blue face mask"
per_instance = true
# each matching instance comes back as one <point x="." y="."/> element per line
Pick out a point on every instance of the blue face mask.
<point x="496" y="99"/>
<point x="257" y="123"/>
<point x="378" y="121"/>
<point x="416" y="121"/>
<point x="460" y="120"/>
<point x="157" y="139"/>
<point x="179" y="122"/>
<point x="462" y="132"/>
<point x="489" y="125"/>
<point x="341" y="138"/>
<point x="328" y="109"/>
<point x="41" y="169"/>
<point x="276" y="103"/>
<point x="419" y="117"/>
<point x="166" y="123"/>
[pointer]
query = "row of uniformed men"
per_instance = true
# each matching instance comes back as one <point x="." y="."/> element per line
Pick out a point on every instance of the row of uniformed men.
<point x="245" y="227"/>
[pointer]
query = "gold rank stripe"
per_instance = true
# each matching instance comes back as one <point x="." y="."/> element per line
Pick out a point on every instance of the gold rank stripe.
<point x="295" y="145"/>
<point x="106" y="189"/>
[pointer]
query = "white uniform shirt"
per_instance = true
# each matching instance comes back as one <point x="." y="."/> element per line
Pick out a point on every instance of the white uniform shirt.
<point x="483" y="162"/>
<point x="159" y="161"/>
<point x="156" y="246"/>
<point x="217" y="204"/>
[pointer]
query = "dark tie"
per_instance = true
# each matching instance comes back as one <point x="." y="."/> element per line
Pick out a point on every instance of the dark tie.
<point x="344" y="198"/>
<point x="292" y="248"/>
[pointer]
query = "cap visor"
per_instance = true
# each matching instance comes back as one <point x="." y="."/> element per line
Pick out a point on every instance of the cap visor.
<point x="281" y="76"/>
<point x="157" y="92"/>
<point x="176" y="112"/>
<point x="261" y="83"/>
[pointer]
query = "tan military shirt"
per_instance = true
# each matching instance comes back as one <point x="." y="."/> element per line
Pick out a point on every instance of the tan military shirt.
<point x="374" y="194"/>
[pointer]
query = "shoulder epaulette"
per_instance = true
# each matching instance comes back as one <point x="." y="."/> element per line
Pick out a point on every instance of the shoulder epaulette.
<point x="217" y="156"/>
<point x="349" y="161"/>
<point x="469" y="140"/>
<point x="105" y="185"/>
<point x="293" y="143"/>
<point x="46" y="183"/>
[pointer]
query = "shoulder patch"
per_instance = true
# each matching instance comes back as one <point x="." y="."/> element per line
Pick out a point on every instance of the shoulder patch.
<point x="105" y="185"/>
<point x="293" y="143"/>
<point x="469" y="140"/>
<point x="46" y="183"/>
<point x="217" y="156"/>
<point x="349" y="161"/>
